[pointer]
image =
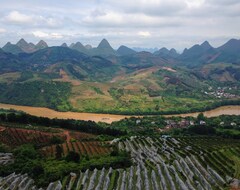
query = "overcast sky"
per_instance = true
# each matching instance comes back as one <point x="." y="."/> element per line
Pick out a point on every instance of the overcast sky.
<point x="135" y="23"/>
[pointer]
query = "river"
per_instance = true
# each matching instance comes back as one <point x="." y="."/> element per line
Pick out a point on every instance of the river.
<point x="108" y="118"/>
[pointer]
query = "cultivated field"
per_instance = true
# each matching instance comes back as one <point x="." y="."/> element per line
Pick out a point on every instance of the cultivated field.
<point x="167" y="164"/>
<point x="17" y="136"/>
<point x="84" y="148"/>
<point x="158" y="164"/>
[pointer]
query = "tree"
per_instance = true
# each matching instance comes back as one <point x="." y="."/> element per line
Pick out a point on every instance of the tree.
<point x="200" y="117"/>
<point x="26" y="152"/>
<point x="37" y="169"/>
<point x="56" y="140"/>
<point x="59" y="152"/>
<point x="72" y="157"/>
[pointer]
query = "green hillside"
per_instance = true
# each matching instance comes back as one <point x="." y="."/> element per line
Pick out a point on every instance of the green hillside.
<point x="134" y="83"/>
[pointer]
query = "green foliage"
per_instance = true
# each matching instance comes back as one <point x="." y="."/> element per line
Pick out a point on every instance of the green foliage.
<point x="75" y="73"/>
<point x="72" y="157"/>
<point x="37" y="169"/>
<point x="26" y="152"/>
<point x="3" y="148"/>
<point x="140" y="125"/>
<point x="25" y="76"/>
<point x="56" y="140"/>
<point x="37" y="93"/>
<point x="97" y="90"/>
<point x="59" y="152"/>
<point x="225" y="126"/>
<point x="44" y="171"/>
<point x="104" y="138"/>
<point x="116" y="93"/>
<point x="201" y="130"/>
<point x="78" y="125"/>
<point x="48" y="76"/>
<point x="200" y="117"/>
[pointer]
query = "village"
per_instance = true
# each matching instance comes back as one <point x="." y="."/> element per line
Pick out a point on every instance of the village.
<point x="222" y="92"/>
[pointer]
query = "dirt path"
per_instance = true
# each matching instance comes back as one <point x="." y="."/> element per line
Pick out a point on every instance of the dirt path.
<point x="67" y="134"/>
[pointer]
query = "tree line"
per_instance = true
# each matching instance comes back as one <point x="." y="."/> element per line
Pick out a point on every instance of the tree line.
<point x="78" y="125"/>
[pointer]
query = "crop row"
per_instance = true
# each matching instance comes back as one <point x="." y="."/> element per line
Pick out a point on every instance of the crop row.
<point x="15" y="137"/>
<point x="6" y="158"/>
<point x="90" y="148"/>
<point x="158" y="164"/>
<point x="22" y="182"/>
<point x="208" y="169"/>
<point x="161" y="164"/>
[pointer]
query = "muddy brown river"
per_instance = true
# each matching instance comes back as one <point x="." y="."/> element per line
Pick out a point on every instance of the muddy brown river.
<point x="108" y="118"/>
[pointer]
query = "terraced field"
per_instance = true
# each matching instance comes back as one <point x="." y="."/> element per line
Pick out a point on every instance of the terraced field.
<point x="6" y="158"/>
<point x="21" y="181"/>
<point x="167" y="164"/>
<point x="162" y="164"/>
<point x="16" y="136"/>
<point x="89" y="148"/>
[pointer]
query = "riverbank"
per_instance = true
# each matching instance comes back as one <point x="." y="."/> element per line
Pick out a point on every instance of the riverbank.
<point x="109" y="118"/>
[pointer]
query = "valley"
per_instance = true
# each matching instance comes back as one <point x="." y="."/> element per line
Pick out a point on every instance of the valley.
<point x="77" y="118"/>
<point x="120" y="95"/>
<point x="103" y="80"/>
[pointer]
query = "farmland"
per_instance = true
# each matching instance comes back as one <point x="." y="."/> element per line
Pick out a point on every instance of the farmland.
<point x="15" y="136"/>
<point x="166" y="164"/>
<point x="62" y="155"/>
<point x="84" y="148"/>
<point x="18" y="181"/>
<point x="158" y="163"/>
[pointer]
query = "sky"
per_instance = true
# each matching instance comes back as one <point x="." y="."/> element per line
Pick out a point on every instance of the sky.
<point x="134" y="23"/>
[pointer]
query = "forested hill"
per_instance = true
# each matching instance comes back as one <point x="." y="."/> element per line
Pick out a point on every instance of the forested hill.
<point x="101" y="79"/>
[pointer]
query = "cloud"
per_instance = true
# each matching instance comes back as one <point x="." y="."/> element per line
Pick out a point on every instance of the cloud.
<point x="105" y="18"/>
<point x="16" y="17"/>
<point x="33" y="20"/>
<point x="144" y="34"/>
<point x="56" y="35"/>
<point x="149" y="7"/>
<point x="40" y="34"/>
<point x="117" y="20"/>
<point x="2" y="30"/>
<point x="223" y="2"/>
<point x="194" y="3"/>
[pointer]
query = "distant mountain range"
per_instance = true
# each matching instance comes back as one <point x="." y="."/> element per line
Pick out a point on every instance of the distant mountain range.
<point x="197" y="54"/>
<point x="22" y="46"/>
<point x="101" y="62"/>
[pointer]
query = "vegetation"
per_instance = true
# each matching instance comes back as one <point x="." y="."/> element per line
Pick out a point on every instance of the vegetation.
<point x="180" y="161"/>
<point x="140" y="126"/>
<point x="80" y="125"/>
<point x="224" y="126"/>
<point x="144" y="85"/>
<point x="43" y="94"/>
<point x="28" y="160"/>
